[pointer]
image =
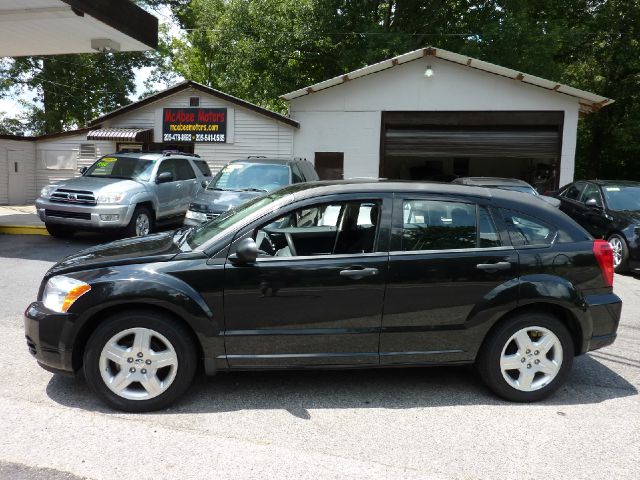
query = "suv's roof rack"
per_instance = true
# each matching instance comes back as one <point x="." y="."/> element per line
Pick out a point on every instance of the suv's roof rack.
<point x="256" y="156"/>
<point x="168" y="153"/>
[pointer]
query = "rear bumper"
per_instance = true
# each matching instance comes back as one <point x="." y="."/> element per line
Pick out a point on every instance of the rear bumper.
<point x="605" y="311"/>
<point x="45" y="333"/>
<point x="84" y="216"/>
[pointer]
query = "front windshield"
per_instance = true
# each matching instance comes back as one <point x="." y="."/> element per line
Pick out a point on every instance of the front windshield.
<point x="622" y="197"/>
<point x="129" y="168"/>
<point x="251" y="176"/>
<point x="205" y="232"/>
<point x="518" y="188"/>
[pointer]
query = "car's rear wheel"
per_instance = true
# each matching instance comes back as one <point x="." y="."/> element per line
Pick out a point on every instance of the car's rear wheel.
<point x="141" y="223"/>
<point x="140" y="361"/>
<point x="620" y="253"/>
<point x="59" y="231"/>
<point x="527" y="357"/>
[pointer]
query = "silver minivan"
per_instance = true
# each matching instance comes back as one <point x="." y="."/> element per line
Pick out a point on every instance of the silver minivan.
<point x="129" y="192"/>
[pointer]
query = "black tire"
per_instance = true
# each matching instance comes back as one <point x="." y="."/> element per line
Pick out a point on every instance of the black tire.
<point x="165" y="325"/>
<point x="623" y="266"/>
<point x="59" y="231"/>
<point x="130" y="230"/>
<point x="488" y="361"/>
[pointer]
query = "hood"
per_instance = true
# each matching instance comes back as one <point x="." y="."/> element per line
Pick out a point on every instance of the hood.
<point x="219" y="201"/>
<point x="152" y="248"/>
<point x="94" y="184"/>
<point x="632" y="216"/>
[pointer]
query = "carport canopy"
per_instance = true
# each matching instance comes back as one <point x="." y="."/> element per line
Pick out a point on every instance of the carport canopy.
<point x="54" y="27"/>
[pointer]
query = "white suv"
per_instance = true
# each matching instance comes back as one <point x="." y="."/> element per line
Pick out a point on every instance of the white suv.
<point x="133" y="192"/>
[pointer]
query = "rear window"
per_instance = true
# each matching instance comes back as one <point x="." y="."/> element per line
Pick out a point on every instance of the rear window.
<point x="525" y="230"/>
<point x="203" y="167"/>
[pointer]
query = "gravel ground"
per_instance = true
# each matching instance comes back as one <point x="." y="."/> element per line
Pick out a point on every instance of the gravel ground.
<point x="397" y="423"/>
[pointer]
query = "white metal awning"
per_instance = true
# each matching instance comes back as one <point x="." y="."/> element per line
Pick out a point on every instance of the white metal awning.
<point x="52" y="27"/>
<point x="135" y="135"/>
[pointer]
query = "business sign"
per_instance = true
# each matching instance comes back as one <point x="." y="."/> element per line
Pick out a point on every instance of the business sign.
<point x="194" y="125"/>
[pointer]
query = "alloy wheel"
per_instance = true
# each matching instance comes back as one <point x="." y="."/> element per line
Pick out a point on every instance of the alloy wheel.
<point x="616" y="246"/>
<point x="531" y="358"/>
<point x="143" y="225"/>
<point x="138" y="364"/>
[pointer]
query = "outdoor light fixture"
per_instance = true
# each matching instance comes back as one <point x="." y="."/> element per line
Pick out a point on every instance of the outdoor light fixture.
<point x="428" y="72"/>
<point x="105" y="45"/>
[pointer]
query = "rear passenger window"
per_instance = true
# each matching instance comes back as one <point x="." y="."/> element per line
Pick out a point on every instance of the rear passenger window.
<point x="435" y="225"/>
<point x="203" y="167"/>
<point x="526" y="230"/>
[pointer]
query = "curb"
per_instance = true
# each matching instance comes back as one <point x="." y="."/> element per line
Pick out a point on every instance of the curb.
<point x="23" y="230"/>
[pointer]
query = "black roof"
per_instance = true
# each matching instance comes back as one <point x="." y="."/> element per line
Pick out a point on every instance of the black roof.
<point x="185" y="85"/>
<point x="628" y="183"/>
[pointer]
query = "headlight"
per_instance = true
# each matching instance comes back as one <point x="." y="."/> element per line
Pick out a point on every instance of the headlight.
<point x="196" y="215"/>
<point x="60" y="293"/>
<point x="112" y="197"/>
<point x="46" y="191"/>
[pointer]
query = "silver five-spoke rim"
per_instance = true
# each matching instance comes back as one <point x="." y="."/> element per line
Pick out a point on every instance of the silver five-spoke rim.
<point x="138" y="364"/>
<point x="616" y="246"/>
<point x="531" y="359"/>
<point x="142" y="224"/>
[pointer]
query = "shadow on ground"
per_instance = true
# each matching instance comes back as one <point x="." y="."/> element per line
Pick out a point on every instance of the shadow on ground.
<point x="401" y="388"/>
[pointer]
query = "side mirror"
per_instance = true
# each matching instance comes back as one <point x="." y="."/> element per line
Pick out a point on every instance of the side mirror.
<point x="592" y="203"/>
<point x="82" y="170"/>
<point x="205" y="183"/>
<point x="164" y="177"/>
<point x="246" y="252"/>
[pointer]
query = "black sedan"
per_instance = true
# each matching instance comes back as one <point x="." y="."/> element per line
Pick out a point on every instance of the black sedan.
<point x="608" y="209"/>
<point x="359" y="274"/>
<point x="512" y="184"/>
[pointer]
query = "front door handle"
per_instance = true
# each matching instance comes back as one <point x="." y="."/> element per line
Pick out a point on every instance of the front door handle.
<point x="493" y="267"/>
<point x="356" y="273"/>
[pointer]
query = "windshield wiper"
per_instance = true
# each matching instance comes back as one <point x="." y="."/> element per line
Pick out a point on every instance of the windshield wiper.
<point x="252" y="190"/>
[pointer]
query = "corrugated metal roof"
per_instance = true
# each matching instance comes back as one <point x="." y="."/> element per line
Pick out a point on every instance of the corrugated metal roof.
<point x="589" y="102"/>
<point x="144" y="135"/>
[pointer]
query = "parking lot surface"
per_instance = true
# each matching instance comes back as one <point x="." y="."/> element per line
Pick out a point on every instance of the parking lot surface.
<point x="394" y="423"/>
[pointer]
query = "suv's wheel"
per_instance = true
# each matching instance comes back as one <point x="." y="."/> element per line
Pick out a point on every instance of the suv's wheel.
<point x="139" y="361"/>
<point x="527" y="357"/>
<point x="141" y="223"/>
<point x="620" y="253"/>
<point x="59" y="231"/>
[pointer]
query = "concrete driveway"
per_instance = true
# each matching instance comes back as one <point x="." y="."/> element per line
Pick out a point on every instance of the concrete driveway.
<point x="398" y="423"/>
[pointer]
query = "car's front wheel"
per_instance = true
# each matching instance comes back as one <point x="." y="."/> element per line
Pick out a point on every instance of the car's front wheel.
<point x="141" y="223"/>
<point x="527" y="357"/>
<point x="620" y="253"/>
<point x="140" y="361"/>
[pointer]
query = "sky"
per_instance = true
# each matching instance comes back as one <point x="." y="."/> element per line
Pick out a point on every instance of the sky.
<point x="11" y="106"/>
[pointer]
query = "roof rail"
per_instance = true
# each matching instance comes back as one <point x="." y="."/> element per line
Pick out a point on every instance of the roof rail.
<point x="256" y="156"/>
<point x="168" y="153"/>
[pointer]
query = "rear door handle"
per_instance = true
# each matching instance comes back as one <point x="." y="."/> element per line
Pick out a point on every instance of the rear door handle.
<point x="493" y="267"/>
<point x="356" y="273"/>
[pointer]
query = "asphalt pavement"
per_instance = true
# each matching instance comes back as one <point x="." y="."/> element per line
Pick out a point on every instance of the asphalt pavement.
<point x="416" y="423"/>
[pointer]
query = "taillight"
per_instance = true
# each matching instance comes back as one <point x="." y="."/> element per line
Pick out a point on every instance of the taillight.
<point x="604" y="254"/>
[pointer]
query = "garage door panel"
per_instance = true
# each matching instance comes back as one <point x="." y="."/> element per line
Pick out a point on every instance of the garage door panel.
<point x="466" y="142"/>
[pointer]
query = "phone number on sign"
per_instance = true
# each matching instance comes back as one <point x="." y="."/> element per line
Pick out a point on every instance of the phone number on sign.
<point x="194" y="137"/>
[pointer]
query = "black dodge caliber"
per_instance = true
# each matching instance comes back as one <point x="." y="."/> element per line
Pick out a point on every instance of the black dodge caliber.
<point x="360" y="274"/>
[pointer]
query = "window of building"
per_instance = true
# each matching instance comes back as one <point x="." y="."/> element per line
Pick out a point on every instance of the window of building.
<point x="87" y="151"/>
<point x="194" y="101"/>
<point x="330" y="165"/>
<point x="324" y="229"/>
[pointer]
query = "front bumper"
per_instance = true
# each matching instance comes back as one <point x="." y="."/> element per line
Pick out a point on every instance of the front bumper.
<point x="605" y="311"/>
<point x="46" y="333"/>
<point x="83" y="216"/>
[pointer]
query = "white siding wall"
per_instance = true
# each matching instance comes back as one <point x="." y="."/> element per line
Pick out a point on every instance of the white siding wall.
<point x="248" y="132"/>
<point x="346" y="118"/>
<point x="67" y="146"/>
<point x="28" y="156"/>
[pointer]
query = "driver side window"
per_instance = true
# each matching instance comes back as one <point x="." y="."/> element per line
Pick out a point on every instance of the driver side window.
<point x="323" y="229"/>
